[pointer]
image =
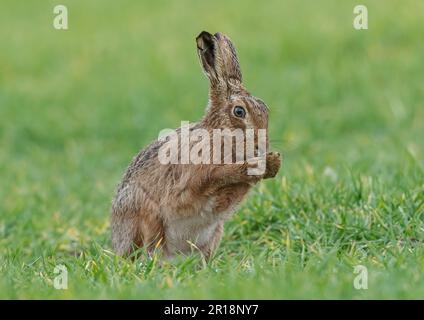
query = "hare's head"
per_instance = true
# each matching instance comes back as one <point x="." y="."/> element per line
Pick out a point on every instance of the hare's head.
<point x="230" y="104"/>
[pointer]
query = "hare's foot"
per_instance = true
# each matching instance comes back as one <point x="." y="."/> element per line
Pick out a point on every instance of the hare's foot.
<point x="273" y="163"/>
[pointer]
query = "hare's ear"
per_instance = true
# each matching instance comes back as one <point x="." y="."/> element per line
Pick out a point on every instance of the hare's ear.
<point x="207" y="49"/>
<point x="230" y="62"/>
<point x="219" y="60"/>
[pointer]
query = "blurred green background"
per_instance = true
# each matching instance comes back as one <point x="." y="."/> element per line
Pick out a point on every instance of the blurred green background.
<point x="346" y="110"/>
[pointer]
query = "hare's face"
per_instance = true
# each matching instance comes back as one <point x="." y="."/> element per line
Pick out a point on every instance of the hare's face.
<point x="246" y="112"/>
<point x="240" y="111"/>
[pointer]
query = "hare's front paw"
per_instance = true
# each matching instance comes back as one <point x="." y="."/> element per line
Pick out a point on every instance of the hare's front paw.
<point x="273" y="163"/>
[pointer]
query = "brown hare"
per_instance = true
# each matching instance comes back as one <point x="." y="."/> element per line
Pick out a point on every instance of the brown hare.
<point x="181" y="207"/>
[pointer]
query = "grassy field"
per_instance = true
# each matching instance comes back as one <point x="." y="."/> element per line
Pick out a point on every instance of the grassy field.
<point x="346" y="111"/>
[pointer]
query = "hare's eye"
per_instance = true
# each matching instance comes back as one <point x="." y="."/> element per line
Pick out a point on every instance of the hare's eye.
<point x="239" y="112"/>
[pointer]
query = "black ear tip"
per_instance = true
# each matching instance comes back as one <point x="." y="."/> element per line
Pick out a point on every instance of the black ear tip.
<point x="204" y="35"/>
<point x="204" y="40"/>
<point x="203" y="32"/>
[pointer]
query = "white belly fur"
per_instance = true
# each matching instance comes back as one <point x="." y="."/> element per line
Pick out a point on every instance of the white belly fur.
<point x="183" y="235"/>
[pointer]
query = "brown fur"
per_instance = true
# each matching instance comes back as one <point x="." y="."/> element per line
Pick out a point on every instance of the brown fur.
<point x="182" y="207"/>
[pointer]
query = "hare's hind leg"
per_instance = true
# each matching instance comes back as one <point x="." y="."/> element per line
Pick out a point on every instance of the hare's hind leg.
<point x="151" y="231"/>
<point x="125" y="234"/>
<point x="133" y="231"/>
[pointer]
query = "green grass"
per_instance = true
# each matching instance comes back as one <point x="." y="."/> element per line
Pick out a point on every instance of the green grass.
<point x="346" y="111"/>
